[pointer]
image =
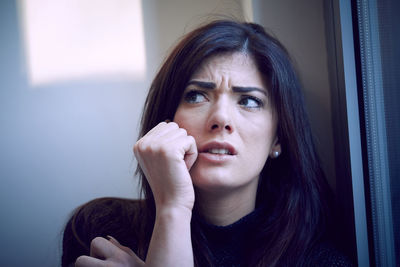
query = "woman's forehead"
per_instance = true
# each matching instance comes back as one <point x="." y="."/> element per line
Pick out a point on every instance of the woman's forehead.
<point x="238" y="67"/>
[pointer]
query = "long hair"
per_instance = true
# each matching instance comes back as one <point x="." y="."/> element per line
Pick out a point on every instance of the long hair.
<point x="292" y="186"/>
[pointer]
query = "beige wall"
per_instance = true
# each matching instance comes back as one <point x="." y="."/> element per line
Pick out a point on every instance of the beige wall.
<point x="167" y="20"/>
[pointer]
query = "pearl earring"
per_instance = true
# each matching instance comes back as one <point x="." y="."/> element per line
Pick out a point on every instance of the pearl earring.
<point x="275" y="154"/>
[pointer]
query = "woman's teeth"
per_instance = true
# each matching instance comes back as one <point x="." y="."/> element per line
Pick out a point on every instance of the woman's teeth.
<point x="219" y="151"/>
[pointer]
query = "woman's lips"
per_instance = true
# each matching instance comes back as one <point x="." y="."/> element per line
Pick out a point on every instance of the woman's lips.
<point x="216" y="147"/>
<point x="217" y="152"/>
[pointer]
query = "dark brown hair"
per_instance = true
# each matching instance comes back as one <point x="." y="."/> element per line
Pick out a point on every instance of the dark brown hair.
<point x="293" y="185"/>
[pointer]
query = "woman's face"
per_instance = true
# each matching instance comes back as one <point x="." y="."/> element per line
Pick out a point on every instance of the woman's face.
<point x="226" y="108"/>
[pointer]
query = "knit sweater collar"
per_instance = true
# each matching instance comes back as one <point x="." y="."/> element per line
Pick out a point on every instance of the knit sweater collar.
<point x="228" y="244"/>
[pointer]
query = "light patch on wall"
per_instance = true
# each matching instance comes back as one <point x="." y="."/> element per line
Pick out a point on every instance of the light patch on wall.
<point x="79" y="39"/>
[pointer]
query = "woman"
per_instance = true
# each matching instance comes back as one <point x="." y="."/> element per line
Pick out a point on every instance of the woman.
<point x="227" y="163"/>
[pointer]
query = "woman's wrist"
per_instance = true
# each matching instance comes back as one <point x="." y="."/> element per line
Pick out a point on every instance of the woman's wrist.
<point x="172" y="212"/>
<point x="184" y="202"/>
<point x="171" y="240"/>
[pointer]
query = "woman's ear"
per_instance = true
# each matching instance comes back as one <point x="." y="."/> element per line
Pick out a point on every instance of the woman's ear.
<point x="276" y="149"/>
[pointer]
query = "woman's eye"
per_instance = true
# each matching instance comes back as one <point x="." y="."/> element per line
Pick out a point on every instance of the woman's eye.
<point x="250" y="102"/>
<point x="194" y="97"/>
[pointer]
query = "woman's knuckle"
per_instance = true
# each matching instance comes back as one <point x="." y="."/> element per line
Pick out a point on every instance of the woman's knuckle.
<point x="96" y="242"/>
<point x="81" y="261"/>
<point x="183" y="131"/>
<point x="143" y="147"/>
<point x="173" y="124"/>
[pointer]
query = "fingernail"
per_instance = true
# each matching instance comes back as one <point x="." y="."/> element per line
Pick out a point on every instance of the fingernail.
<point x="112" y="239"/>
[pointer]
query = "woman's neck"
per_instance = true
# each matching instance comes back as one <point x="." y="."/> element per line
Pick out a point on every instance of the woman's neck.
<point x="224" y="207"/>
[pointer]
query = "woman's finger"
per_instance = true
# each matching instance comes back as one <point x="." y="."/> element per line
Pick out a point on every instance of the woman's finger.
<point x="101" y="248"/>
<point x="111" y="251"/>
<point x="161" y="129"/>
<point x="86" y="261"/>
<point x="191" y="152"/>
<point x="126" y="249"/>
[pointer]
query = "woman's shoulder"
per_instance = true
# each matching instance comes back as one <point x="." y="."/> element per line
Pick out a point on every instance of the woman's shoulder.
<point x="117" y="217"/>
<point x="327" y="254"/>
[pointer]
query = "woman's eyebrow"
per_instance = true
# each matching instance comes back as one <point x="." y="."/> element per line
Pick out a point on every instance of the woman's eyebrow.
<point x="236" y="89"/>
<point x="246" y="89"/>
<point x="205" y="85"/>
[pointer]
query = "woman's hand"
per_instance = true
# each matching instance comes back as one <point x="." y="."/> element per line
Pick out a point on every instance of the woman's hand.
<point x="109" y="253"/>
<point x="166" y="154"/>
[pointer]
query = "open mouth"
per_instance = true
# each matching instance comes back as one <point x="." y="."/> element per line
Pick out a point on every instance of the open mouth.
<point x="222" y="151"/>
<point x="218" y="148"/>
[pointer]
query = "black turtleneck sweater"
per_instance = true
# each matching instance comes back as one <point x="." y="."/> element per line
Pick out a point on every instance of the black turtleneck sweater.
<point x="229" y="244"/>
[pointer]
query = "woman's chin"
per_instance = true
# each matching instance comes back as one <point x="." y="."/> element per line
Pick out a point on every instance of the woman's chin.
<point x="215" y="180"/>
<point x="210" y="178"/>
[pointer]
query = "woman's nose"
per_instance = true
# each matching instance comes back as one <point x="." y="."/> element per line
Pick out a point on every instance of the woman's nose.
<point x="220" y="117"/>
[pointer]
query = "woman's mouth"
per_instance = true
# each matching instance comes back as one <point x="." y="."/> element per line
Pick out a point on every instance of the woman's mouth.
<point x="217" y="147"/>
<point x="219" y="151"/>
